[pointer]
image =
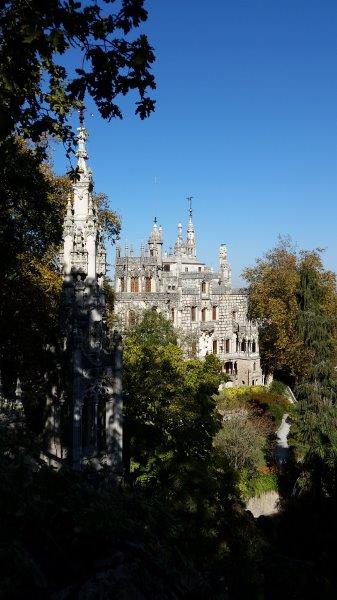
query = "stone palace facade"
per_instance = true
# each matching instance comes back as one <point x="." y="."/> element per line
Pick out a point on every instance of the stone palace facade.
<point x="208" y="313"/>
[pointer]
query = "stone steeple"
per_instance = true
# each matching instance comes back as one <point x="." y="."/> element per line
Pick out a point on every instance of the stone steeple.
<point x="83" y="250"/>
<point x="93" y="382"/>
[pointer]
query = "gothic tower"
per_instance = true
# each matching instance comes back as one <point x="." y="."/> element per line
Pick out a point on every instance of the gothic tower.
<point x="92" y="359"/>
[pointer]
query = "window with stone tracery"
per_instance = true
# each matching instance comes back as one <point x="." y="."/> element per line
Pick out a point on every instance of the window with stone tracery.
<point x="203" y="287"/>
<point x="134" y="284"/>
<point x="148" y="284"/>
<point x="122" y="284"/>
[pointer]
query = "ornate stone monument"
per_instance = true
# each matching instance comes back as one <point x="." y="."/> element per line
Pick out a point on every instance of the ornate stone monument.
<point x="86" y="426"/>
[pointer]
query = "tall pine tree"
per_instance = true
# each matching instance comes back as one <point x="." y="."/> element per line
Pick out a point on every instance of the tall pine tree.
<point x="315" y="429"/>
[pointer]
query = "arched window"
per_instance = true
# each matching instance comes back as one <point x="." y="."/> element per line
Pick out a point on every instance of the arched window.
<point x="203" y="287"/>
<point x="227" y="346"/>
<point x="234" y="315"/>
<point x="148" y="284"/>
<point x="254" y="366"/>
<point x="122" y="284"/>
<point x="254" y="346"/>
<point x="172" y="314"/>
<point x="243" y="346"/>
<point x="214" y="313"/>
<point x="215" y="346"/>
<point x="204" y="314"/>
<point x="134" y="284"/>
<point x="193" y="313"/>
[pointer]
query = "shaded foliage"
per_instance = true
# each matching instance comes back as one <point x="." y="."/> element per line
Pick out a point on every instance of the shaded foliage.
<point x="38" y="94"/>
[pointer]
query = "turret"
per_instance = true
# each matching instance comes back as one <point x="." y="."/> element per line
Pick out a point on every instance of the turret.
<point x="178" y="246"/>
<point x="225" y="269"/>
<point x="190" y="243"/>
<point x="155" y="242"/>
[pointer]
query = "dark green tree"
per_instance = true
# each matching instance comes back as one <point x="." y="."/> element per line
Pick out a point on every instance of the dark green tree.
<point x="37" y="91"/>
<point x="315" y="429"/>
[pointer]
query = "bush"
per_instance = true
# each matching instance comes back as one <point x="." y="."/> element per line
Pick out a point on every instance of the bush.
<point x="278" y="387"/>
<point x="265" y="481"/>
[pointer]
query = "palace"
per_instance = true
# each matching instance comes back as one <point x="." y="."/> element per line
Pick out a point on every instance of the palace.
<point x="208" y="313"/>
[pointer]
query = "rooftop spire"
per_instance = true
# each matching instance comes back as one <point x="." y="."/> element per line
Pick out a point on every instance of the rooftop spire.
<point x="189" y="200"/>
<point x="190" y="244"/>
<point x="81" y="152"/>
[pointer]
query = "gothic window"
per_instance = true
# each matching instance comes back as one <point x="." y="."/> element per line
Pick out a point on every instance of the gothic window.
<point x="204" y="314"/>
<point x="172" y="314"/>
<point x="254" y="366"/>
<point x="151" y="252"/>
<point x="234" y="315"/>
<point x="227" y="346"/>
<point x="199" y="269"/>
<point x="203" y="287"/>
<point x="166" y="267"/>
<point x="215" y="346"/>
<point x="243" y="346"/>
<point x="148" y="284"/>
<point x="193" y="313"/>
<point x="214" y="313"/>
<point x="186" y="269"/>
<point x="122" y="282"/>
<point x="254" y="346"/>
<point x="134" y="284"/>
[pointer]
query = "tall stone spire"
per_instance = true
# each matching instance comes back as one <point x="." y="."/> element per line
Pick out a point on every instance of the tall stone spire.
<point x="190" y="243"/>
<point x="225" y="269"/>
<point x="93" y="385"/>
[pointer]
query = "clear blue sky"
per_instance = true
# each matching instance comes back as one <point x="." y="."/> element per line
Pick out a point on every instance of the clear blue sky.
<point x="246" y="122"/>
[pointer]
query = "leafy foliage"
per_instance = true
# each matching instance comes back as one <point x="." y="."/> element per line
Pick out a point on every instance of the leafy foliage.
<point x="274" y="302"/>
<point x="38" y="94"/>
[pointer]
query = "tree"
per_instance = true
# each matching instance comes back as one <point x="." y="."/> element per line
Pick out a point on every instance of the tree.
<point x="37" y="93"/>
<point x="274" y="284"/>
<point x="170" y="413"/>
<point x="314" y="432"/>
